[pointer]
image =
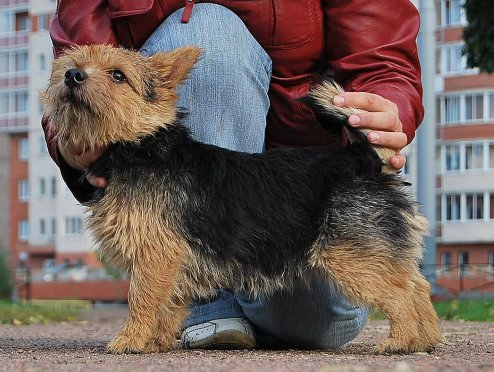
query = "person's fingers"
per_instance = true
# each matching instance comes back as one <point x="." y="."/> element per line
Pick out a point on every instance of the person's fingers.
<point x="397" y="161"/>
<point x="366" y="101"/>
<point x="392" y="140"/>
<point x="87" y="158"/>
<point x="99" y="182"/>
<point x="382" y="121"/>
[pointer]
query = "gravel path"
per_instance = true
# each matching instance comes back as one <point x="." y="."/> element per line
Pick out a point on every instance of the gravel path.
<point x="80" y="346"/>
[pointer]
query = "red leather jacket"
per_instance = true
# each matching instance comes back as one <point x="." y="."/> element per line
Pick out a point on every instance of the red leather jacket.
<point x="368" y="45"/>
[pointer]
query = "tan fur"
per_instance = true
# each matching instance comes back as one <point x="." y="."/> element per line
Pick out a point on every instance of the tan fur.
<point x="133" y="235"/>
<point x="369" y="275"/>
<point x="99" y="119"/>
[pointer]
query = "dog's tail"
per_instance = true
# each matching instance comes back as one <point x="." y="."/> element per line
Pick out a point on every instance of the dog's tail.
<point x="333" y="118"/>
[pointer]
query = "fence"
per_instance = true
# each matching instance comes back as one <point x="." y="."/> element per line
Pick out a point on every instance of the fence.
<point x="76" y="283"/>
<point x="95" y="284"/>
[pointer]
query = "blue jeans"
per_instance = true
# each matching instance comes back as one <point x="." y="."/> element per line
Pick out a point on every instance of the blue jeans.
<point x="227" y="101"/>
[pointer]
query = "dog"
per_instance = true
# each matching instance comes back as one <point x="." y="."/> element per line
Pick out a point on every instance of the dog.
<point x="183" y="217"/>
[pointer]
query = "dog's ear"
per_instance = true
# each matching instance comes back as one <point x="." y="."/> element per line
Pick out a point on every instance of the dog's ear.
<point x="174" y="67"/>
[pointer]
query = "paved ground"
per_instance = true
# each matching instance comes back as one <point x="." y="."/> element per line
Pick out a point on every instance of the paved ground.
<point x="80" y="347"/>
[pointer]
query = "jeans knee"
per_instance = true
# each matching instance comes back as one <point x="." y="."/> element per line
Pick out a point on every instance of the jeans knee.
<point x="334" y="335"/>
<point x="317" y="332"/>
<point x="224" y="38"/>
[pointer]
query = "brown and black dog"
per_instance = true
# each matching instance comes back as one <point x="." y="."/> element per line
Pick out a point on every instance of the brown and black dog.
<point x="184" y="217"/>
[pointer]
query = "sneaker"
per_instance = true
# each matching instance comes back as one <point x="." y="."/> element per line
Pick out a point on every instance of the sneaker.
<point x="220" y="334"/>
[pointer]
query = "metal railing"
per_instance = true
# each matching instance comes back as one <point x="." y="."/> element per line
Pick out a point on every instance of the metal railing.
<point x="75" y="273"/>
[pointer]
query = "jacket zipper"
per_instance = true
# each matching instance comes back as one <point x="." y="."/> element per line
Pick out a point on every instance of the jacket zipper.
<point x="189" y="5"/>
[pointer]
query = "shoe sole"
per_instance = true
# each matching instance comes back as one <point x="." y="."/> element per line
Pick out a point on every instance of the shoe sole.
<point x="227" y="340"/>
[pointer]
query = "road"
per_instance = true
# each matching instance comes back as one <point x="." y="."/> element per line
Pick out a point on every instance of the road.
<point x="80" y="346"/>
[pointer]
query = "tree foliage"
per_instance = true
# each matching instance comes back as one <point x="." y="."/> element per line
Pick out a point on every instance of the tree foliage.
<point x="479" y="34"/>
<point x="6" y="283"/>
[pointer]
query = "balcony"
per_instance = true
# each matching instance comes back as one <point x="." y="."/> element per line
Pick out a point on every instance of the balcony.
<point x="14" y="81"/>
<point x="12" y="40"/>
<point x="467" y="232"/>
<point x="13" y="3"/>
<point x="14" y="123"/>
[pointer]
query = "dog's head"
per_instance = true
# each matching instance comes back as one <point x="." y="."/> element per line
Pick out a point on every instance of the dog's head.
<point x="99" y="95"/>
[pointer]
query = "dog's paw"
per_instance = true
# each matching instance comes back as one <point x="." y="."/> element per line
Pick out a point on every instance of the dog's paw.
<point x="122" y="344"/>
<point x="396" y="346"/>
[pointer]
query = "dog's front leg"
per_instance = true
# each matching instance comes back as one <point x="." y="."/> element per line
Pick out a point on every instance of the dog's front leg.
<point x="152" y="282"/>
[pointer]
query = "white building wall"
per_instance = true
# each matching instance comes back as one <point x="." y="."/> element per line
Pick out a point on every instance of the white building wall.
<point x="54" y="205"/>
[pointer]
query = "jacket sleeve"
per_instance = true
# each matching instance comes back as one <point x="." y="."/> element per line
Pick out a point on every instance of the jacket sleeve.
<point x="372" y="48"/>
<point x="77" y="23"/>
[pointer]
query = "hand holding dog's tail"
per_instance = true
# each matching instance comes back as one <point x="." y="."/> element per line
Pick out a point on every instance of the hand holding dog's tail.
<point x="332" y="117"/>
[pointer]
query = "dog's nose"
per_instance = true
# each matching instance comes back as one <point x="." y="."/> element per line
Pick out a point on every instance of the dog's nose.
<point x="74" y="77"/>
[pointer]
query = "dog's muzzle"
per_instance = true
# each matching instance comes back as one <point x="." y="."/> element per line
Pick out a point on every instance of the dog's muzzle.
<point x="74" y="77"/>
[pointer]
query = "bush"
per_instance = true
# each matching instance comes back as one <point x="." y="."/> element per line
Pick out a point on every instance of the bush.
<point x="6" y="282"/>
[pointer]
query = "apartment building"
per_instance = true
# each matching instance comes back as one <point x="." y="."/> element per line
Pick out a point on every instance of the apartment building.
<point x="14" y="125"/>
<point x="465" y="159"/>
<point x="41" y="223"/>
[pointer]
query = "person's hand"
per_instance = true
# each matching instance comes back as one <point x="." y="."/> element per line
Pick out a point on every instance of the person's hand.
<point x="79" y="159"/>
<point x="382" y="118"/>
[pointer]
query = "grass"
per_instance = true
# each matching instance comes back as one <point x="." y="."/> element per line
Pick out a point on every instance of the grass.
<point x="475" y="310"/>
<point x="21" y="314"/>
<point x="478" y="310"/>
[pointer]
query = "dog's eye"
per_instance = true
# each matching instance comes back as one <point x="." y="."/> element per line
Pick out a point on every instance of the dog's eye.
<point x="118" y="76"/>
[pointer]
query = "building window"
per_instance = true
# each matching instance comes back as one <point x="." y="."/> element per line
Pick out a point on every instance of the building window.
<point x="463" y="263"/>
<point x="42" y="63"/>
<point x="53" y="227"/>
<point x="23" y="149"/>
<point x="42" y="187"/>
<point x="463" y="258"/>
<point x="452" y="157"/>
<point x="53" y="186"/>
<point x="452" y="12"/>
<point x="4" y="63"/>
<point x="451" y="109"/>
<point x="42" y="23"/>
<point x="454" y="60"/>
<point x="467" y="156"/>
<point x="21" y="61"/>
<point x="42" y="227"/>
<point x="491" y="155"/>
<point x="4" y="102"/>
<point x="14" y="102"/>
<point x="475" y="206"/>
<point x="6" y="22"/>
<point x="22" y="21"/>
<point x="474" y="156"/>
<point x="23" y="190"/>
<point x="491" y="105"/>
<point x="73" y="225"/>
<point x="21" y="102"/>
<point x="466" y="108"/>
<point x="23" y="232"/>
<point x="474" y="107"/>
<point x="453" y="207"/>
<point x="446" y="259"/>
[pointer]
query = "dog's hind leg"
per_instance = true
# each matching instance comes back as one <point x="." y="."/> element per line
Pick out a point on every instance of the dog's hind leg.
<point x="373" y="277"/>
<point x="429" y="330"/>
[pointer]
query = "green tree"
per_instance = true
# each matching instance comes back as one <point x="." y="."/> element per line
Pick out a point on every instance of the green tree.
<point x="479" y="34"/>
<point x="6" y="283"/>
